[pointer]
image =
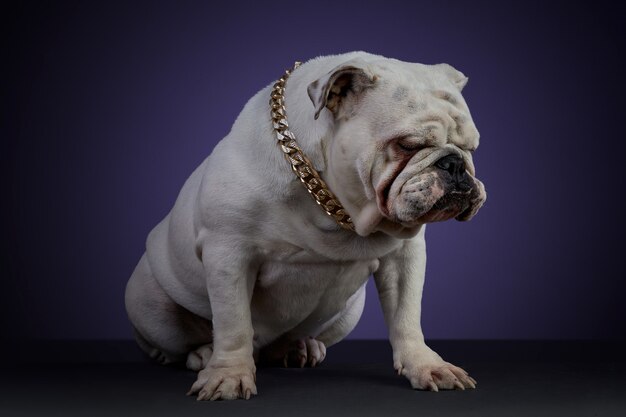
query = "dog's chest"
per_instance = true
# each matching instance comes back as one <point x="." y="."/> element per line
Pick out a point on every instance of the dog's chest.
<point x="300" y="286"/>
<point x="314" y="277"/>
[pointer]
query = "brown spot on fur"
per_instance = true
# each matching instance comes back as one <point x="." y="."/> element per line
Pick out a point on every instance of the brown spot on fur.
<point x="400" y="93"/>
<point x="414" y="106"/>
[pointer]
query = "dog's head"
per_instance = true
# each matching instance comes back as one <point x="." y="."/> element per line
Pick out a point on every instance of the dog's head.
<point x="400" y="151"/>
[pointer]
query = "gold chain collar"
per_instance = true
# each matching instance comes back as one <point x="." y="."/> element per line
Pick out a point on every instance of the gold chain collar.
<point x="300" y="164"/>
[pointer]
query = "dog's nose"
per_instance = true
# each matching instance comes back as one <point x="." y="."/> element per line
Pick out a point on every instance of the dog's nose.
<point x="455" y="166"/>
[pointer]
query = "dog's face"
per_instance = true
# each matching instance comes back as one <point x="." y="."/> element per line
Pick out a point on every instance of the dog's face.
<point x="402" y="143"/>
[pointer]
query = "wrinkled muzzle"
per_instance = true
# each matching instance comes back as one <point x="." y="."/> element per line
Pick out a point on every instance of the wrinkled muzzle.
<point x="440" y="192"/>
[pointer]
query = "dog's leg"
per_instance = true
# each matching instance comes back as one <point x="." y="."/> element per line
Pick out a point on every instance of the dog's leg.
<point x="163" y="329"/>
<point x="230" y="371"/>
<point x="400" y="280"/>
<point x="347" y="320"/>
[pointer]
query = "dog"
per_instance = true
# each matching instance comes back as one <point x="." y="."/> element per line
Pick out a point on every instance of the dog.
<point x="246" y="267"/>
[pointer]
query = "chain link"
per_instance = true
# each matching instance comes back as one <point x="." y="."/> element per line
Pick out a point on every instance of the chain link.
<point x="300" y="164"/>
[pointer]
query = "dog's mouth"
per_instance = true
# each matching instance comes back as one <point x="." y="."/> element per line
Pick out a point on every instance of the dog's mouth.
<point x="421" y="199"/>
<point x="451" y="205"/>
<point x="435" y="188"/>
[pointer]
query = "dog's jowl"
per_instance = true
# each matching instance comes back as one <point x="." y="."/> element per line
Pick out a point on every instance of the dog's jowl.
<point x="328" y="175"/>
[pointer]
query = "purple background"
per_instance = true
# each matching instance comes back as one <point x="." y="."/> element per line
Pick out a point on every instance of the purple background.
<point x="108" y="108"/>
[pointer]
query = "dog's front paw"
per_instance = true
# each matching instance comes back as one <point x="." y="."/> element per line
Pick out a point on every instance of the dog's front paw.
<point x="427" y="371"/>
<point x="225" y="383"/>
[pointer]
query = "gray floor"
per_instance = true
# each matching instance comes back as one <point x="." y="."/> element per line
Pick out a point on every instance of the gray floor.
<point x="357" y="379"/>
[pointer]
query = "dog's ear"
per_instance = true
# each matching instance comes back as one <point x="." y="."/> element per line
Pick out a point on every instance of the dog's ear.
<point x="454" y="75"/>
<point x="340" y="86"/>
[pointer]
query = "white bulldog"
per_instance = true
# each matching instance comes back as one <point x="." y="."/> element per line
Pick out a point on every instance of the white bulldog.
<point x="246" y="266"/>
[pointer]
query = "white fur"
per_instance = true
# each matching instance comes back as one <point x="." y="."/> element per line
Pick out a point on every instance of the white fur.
<point x="246" y="250"/>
